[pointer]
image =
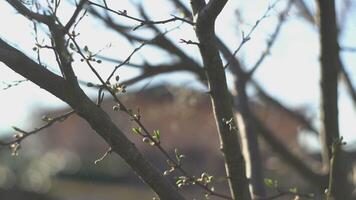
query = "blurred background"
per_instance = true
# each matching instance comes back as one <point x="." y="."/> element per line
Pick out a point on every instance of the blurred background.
<point x="58" y="162"/>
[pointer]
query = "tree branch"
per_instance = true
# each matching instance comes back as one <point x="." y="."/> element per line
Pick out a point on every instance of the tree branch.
<point x="143" y="22"/>
<point x="46" y="19"/>
<point x="213" y="8"/>
<point x="24" y="134"/>
<point x="75" y="15"/>
<point x="150" y="71"/>
<point x="162" y="41"/>
<point x="271" y="41"/>
<point x="246" y="38"/>
<point x="329" y="73"/>
<point x="197" y="5"/>
<point x="220" y="97"/>
<point x="330" y="69"/>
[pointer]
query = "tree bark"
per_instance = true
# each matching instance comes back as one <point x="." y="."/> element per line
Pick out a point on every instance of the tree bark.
<point x="220" y="96"/>
<point x="329" y="76"/>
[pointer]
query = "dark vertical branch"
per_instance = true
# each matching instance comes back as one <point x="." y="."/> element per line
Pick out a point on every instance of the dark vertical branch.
<point x="220" y="96"/>
<point x="329" y="75"/>
<point x="75" y="15"/>
<point x="330" y="66"/>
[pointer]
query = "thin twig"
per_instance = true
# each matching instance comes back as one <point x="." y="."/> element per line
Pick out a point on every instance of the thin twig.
<point x="271" y="41"/>
<point x="75" y="15"/>
<point x="14" y="83"/>
<point x="246" y="38"/>
<point x="141" y="21"/>
<point x="24" y="134"/>
<point x="189" y="42"/>
<point x="127" y="60"/>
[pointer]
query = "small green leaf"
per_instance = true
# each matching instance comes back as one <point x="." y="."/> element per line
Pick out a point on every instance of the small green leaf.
<point x="269" y="182"/>
<point x="156" y="135"/>
<point x="136" y="130"/>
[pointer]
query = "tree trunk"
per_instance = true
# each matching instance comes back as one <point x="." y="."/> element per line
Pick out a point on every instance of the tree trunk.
<point x="329" y="97"/>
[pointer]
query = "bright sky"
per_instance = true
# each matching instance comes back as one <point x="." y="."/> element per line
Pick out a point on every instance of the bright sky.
<point x="291" y="73"/>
